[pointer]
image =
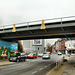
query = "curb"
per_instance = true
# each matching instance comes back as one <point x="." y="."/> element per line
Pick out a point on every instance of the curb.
<point x="14" y="63"/>
<point x="51" y="71"/>
<point x="7" y="64"/>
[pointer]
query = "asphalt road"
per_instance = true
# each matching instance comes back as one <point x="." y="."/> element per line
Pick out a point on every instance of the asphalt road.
<point x="33" y="67"/>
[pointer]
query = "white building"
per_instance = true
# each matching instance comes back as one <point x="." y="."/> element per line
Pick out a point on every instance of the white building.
<point x="33" y="45"/>
<point x="70" y="46"/>
<point x="30" y="46"/>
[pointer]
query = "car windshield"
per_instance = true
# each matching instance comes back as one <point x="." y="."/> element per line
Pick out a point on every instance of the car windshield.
<point x="59" y="52"/>
<point x="45" y="55"/>
<point x="30" y="54"/>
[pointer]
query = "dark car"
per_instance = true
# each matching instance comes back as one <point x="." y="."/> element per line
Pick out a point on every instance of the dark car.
<point x="18" y="57"/>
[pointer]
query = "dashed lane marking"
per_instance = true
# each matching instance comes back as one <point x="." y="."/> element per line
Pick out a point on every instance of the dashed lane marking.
<point x="34" y="72"/>
<point x="49" y="64"/>
<point x="45" y="66"/>
<point x="40" y="68"/>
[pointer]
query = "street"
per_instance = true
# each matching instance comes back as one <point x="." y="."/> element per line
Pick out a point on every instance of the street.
<point x="33" y="67"/>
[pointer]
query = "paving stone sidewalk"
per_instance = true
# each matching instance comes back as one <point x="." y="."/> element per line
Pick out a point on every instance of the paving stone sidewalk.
<point x="70" y="67"/>
<point x="5" y="62"/>
<point x="60" y="70"/>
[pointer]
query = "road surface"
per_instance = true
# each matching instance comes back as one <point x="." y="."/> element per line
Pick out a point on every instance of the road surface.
<point x="33" y="67"/>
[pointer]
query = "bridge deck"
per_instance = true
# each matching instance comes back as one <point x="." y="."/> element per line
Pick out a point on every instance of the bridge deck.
<point x="53" y="30"/>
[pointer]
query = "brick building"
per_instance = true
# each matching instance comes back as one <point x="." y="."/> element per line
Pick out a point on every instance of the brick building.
<point x="62" y="46"/>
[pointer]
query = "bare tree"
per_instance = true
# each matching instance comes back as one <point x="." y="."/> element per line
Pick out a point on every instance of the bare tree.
<point x="49" y="47"/>
<point x="20" y="47"/>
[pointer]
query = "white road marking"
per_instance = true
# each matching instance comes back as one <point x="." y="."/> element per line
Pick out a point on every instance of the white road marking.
<point x="40" y="68"/>
<point x="34" y="72"/>
<point x="49" y="64"/>
<point x="45" y="66"/>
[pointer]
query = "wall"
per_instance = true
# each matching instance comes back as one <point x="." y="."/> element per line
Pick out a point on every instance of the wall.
<point x="70" y="44"/>
<point x="29" y="47"/>
<point x="26" y="45"/>
<point x="57" y="47"/>
<point x="62" y="45"/>
<point x="35" y="47"/>
<point x="7" y="47"/>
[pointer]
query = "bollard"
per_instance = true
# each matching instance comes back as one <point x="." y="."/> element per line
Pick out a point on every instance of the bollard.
<point x="59" y="62"/>
<point x="56" y="64"/>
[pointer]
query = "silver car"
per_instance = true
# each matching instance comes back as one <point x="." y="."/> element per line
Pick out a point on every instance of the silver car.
<point x="46" y="56"/>
<point x="59" y="53"/>
<point x="40" y="54"/>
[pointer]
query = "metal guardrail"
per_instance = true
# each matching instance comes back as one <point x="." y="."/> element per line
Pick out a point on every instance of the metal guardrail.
<point x="27" y="24"/>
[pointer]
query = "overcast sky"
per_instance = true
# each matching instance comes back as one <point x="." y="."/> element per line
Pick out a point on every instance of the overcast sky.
<point x="50" y="41"/>
<point x="15" y="11"/>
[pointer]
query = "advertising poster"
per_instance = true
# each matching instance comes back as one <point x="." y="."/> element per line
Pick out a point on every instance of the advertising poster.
<point x="37" y="42"/>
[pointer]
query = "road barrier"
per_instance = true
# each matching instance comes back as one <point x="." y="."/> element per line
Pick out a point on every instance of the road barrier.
<point x="59" y="62"/>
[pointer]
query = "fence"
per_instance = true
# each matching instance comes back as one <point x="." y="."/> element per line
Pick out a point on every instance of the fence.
<point x="27" y="24"/>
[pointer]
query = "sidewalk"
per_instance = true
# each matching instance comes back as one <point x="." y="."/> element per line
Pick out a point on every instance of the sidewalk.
<point x="58" y="71"/>
<point x="65" y="69"/>
<point x="5" y="62"/>
<point x="70" y="69"/>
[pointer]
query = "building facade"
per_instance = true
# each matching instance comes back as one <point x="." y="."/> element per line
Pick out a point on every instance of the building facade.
<point x="62" y="46"/>
<point x="36" y="45"/>
<point x="70" y="46"/>
<point x="65" y="46"/>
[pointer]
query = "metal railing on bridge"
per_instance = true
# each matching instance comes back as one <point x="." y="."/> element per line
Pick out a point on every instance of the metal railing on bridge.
<point x="32" y="23"/>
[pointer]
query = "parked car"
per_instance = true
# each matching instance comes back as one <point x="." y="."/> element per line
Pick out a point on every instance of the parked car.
<point x="32" y="55"/>
<point x="40" y="54"/>
<point x="59" y="53"/>
<point x="18" y="57"/>
<point x="46" y="56"/>
<point x="48" y="52"/>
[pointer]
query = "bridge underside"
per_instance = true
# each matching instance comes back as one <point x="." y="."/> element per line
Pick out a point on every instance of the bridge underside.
<point x="55" y="32"/>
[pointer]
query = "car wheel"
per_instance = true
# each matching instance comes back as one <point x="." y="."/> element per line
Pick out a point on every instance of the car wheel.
<point x="24" y="59"/>
<point x="17" y="60"/>
<point x="42" y="58"/>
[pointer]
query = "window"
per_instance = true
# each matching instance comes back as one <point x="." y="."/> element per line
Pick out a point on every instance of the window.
<point x="69" y="45"/>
